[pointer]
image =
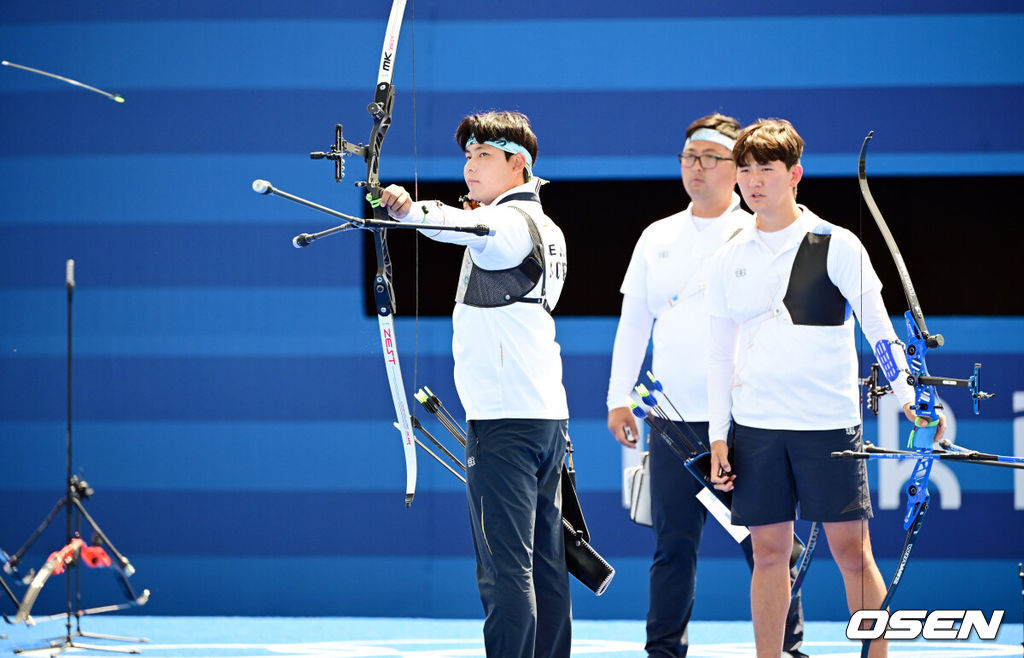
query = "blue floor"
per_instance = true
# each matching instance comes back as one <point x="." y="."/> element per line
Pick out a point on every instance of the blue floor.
<point x="350" y="637"/>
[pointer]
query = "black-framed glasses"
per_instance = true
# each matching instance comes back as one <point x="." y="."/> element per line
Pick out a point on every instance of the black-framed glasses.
<point x="707" y="160"/>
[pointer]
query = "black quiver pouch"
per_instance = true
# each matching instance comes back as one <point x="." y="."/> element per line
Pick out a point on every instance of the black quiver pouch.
<point x="583" y="561"/>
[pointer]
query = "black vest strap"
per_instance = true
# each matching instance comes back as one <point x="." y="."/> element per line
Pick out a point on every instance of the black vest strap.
<point x="533" y="266"/>
<point x="520" y="196"/>
<point x="812" y="298"/>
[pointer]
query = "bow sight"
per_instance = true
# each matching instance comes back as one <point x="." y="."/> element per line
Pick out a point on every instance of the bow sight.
<point x="380" y="110"/>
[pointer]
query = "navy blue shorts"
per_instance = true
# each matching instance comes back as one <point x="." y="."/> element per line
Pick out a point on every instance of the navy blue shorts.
<point x="777" y="470"/>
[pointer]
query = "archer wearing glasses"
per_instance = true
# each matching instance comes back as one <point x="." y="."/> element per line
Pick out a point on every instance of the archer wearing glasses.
<point x="707" y="160"/>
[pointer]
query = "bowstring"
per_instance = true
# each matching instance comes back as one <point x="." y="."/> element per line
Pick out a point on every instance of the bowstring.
<point x="860" y="367"/>
<point x="416" y="234"/>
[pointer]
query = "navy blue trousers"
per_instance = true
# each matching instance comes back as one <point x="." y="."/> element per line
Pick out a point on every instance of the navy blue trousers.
<point x="678" y="519"/>
<point x="513" y="470"/>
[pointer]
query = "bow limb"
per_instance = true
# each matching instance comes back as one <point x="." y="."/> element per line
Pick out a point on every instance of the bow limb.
<point x="919" y="340"/>
<point x="404" y="422"/>
<point x="908" y="286"/>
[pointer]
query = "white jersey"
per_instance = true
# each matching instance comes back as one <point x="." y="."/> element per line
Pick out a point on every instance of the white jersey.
<point x="507" y="362"/>
<point x="668" y="271"/>
<point x="795" y="364"/>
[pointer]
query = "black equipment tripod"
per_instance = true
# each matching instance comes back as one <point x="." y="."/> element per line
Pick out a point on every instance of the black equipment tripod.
<point x="71" y="555"/>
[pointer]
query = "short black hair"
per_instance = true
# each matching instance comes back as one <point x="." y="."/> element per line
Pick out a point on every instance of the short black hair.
<point x="492" y="126"/>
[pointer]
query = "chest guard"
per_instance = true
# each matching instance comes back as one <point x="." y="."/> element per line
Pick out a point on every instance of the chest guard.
<point x="812" y="298"/>
<point x="493" y="288"/>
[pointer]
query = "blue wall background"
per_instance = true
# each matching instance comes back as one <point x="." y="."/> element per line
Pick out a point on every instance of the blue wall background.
<point x="230" y="407"/>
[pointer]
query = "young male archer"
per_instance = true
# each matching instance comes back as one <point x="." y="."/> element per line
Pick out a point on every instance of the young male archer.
<point x="508" y="373"/>
<point x="783" y="371"/>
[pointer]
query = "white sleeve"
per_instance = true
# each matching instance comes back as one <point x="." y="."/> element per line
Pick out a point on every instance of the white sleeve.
<point x="635" y="282"/>
<point x="631" y="341"/>
<point x="875" y="324"/>
<point x="509" y="245"/>
<point x="849" y="266"/>
<point x="721" y="363"/>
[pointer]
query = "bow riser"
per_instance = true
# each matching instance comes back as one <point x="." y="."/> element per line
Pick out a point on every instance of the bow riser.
<point x="924" y="393"/>
<point x="380" y="109"/>
<point x="917" y="488"/>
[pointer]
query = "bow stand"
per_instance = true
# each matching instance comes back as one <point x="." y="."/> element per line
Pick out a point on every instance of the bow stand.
<point x="75" y="551"/>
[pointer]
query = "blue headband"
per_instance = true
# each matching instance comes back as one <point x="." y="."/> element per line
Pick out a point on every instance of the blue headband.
<point x="507" y="146"/>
